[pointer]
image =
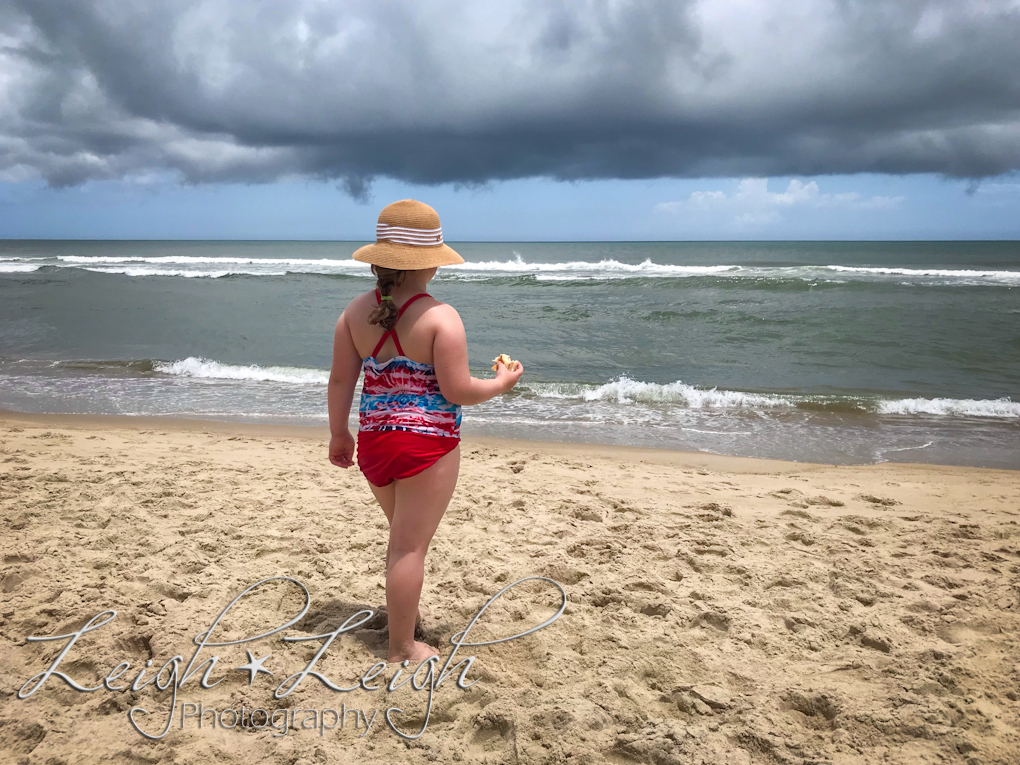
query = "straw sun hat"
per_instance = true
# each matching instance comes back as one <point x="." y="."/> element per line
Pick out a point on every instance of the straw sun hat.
<point x="408" y="237"/>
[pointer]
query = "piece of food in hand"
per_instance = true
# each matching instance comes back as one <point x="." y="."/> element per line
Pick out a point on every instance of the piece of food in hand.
<point x="508" y="362"/>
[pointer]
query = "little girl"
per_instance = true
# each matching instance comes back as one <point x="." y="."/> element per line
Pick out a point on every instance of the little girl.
<point x="414" y="386"/>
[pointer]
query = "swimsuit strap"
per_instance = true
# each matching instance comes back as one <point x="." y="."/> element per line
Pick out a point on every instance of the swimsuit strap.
<point x="411" y="300"/>
<point x="393" y="331"/>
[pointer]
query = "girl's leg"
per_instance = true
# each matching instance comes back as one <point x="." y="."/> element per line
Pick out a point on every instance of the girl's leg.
<point x="387" y="498"/>
<point x="420" y="503"/>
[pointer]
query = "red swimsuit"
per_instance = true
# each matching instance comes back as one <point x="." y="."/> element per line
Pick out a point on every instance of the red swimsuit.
<point x="405" y="422"/>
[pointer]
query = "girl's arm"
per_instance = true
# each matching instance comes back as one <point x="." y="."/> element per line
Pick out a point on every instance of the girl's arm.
<point x="343" y="377"/>
<point x="450" y="357"/>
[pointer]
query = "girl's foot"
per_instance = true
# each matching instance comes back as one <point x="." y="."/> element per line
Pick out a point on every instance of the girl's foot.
<point x="416" y="653"/>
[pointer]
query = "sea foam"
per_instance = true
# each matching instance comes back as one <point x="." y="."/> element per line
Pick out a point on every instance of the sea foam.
<point x="627" y="392"/>
<point x="606" y="266"/>
<point x="606" y="269"/>
<point x="195" y="366"/>
<point x="140" y="271"/>
<point x="953" y="407"/>
<point x="964" y="275"/>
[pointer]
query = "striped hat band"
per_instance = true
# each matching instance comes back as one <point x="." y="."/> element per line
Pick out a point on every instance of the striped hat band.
<point x="404" y="235"/>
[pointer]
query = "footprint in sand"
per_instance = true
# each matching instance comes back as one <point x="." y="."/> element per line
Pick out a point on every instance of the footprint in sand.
<point x="821" y="499"/>
<point x="786" y="493"/>
<point x="656" y="609"/>
<point x="967" y="531"/>
<point x="715" y="619"/>
<point x="817" y="711"/>
<point x="713" y="511"/>
<point x="942" y="582"/>
<point x="803" y="537"/>
<point x="605" y="596"/>
<point x="785" y="581"/>
<point x="796" y="513"/>
<point x="875" y="500"/>
<point x="586" y="513"/>
<point x="565" y="573"/>
<point x="796" y="623"/>
<point x="877" y="643"/>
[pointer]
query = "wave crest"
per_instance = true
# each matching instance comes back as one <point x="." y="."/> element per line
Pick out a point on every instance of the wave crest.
<point x="606" y="269"/>
<point x="953" y="407"/>
<point x="627" y="391"/>
<point x="606" y="266"/>
<point x="195" y="366"/>
<point x="622" y="391"/>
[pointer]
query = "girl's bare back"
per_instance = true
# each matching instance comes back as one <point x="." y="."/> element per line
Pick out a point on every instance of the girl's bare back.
<point x="416" y="329"/>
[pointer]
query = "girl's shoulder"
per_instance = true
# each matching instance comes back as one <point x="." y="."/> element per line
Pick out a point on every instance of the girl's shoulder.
<point x="443" y="317"/>
<point x="441" y="309"/>
<point x="433" y="306"/>
<point x="362" y="303"/>
<point x="365" y="303"/>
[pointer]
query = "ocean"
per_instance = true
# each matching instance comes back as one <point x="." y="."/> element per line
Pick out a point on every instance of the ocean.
<point x="825" y="352"/>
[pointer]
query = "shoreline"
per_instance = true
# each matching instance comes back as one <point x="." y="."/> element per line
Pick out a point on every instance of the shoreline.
<point x="654" y="455"/>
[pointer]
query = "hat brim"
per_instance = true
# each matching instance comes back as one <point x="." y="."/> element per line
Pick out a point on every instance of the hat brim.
<point x="407" y="257"/>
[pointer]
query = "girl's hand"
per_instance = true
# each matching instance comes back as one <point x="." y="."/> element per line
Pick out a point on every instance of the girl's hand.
<point x="507" y="378"/>
<point x="341" y="449"/>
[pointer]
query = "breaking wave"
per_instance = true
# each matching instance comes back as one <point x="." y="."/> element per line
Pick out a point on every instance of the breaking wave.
<point x="607" y="269"/>
<point x="194" y="366"/>
<point x="625" y="391"/>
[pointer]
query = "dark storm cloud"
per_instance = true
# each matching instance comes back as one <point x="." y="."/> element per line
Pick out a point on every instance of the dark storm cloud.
<point x="470" y="92"/>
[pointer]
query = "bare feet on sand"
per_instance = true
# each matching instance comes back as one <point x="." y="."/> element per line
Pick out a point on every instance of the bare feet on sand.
<point x="415" y="653"/>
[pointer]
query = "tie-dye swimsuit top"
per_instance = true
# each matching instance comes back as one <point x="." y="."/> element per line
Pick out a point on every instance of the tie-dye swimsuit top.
<point x="402" y="394"/>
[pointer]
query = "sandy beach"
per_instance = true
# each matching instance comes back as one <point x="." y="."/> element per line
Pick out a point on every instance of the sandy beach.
<point x="719" y="610"/>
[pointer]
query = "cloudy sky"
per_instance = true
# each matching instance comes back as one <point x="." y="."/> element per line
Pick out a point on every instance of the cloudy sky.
<point x="686" y="119"/>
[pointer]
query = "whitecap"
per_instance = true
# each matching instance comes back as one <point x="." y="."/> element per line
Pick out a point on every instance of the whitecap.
<point x="194" y="366"/>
